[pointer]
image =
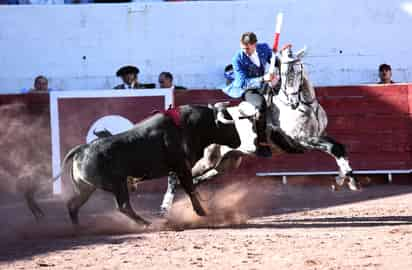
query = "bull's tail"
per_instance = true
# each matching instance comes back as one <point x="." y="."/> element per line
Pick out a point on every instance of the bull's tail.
<point x="70" y="155"/>
<point x="66" y="158"/>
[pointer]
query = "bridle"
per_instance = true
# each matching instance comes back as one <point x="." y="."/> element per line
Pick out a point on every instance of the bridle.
<point x="285" y="76"/>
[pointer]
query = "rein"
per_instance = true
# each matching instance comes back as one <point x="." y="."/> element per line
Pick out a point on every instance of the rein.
<point x="300" y="99"/>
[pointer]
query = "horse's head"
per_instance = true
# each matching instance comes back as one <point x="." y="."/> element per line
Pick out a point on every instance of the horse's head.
<point x="291" y="74"/>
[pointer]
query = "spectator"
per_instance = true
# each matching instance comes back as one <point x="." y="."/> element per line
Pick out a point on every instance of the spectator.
<point x="166" y="81"/>
<point x="36" y="2"/>
<point x="111" y="1"/>
<point x="129" y="78"/>
<point x="41" y="84"/>
<point x="79" y="1"/>
<point x="229" y="74"/>
<point x="385" y="74"/>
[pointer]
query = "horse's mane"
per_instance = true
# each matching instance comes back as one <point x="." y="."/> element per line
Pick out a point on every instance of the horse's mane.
<point x="307" y="87"/>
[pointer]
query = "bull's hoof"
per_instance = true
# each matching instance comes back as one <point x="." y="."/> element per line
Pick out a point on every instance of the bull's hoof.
<point x="146" y="223"/>
<point x="200" y="212"/>
<point x="197" y="206"/>
<point x="39" y="215"/>
<point x="76" y="230"/>
<point x="142" y="222"/>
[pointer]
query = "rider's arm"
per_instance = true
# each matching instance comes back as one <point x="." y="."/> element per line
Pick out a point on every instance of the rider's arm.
<point x="268" y="52"/>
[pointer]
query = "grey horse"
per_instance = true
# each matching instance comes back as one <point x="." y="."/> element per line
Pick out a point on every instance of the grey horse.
<point x="296" y="123"/>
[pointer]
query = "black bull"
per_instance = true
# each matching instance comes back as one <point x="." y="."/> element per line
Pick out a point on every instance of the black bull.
<point x="165" y="142"/>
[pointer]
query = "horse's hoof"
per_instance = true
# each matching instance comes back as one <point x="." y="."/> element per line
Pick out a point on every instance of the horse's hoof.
<point x="39" y="216"/>
<point x="334" y="187"/>
<point x="163" y="212"/>
<point x="77" y="230"/>
<point x="340" y="180"/>
<point x="354" y="185"/>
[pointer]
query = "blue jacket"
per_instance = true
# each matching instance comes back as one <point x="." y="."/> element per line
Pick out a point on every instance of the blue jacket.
<point x="247" y="74"/>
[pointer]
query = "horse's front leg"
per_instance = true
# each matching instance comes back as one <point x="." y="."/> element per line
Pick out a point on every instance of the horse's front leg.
<point x="205" y="168"/>
<point x="338" y="151"/>
<point x="169" y="196"/>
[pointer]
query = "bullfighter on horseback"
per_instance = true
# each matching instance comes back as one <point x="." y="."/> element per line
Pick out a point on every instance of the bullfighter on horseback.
<point x="249" y="69"/>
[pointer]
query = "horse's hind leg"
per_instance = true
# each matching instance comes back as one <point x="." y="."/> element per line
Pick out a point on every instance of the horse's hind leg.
<point x="83" y="193"/>
<point x="169" y="196"/>
<point x="338" y="151"/>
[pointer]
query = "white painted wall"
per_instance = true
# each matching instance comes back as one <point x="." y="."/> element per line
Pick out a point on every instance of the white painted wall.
<point x="81" y="46"/>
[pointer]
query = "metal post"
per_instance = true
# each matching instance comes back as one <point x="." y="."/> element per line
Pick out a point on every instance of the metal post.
<point x="284" y="179"/>
<point x="390" y="178"/>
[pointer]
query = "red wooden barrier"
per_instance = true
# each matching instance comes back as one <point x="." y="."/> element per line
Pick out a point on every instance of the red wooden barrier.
<point x="374" y="121"/>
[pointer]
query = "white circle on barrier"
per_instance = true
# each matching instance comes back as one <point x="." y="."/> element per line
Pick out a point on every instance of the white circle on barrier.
<point x="113" y="123"/>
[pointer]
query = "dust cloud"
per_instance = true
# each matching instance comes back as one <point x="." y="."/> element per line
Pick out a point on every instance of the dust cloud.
<point x="25" y="166"/>
<point x="227" y="204"/>
<point x="25" y="147"/>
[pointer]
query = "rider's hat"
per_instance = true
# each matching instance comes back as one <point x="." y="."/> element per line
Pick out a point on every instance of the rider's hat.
<point x="127" y="69"/>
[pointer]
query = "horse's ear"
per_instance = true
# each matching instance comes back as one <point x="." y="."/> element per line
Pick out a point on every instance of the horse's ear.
<point x="301" y="52"/>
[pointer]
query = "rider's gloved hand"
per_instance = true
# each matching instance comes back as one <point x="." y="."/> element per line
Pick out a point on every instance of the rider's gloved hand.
<point x="271" y="78"/>
<point x="268" y="77"/>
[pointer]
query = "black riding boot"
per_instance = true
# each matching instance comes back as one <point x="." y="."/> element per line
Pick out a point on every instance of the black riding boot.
<point x="262" y="150"/>
<point x="254" y="97"/>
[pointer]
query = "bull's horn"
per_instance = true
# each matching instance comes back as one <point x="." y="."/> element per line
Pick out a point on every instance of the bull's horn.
<point x="222" y="104"/>
<point x="221" y="118"/>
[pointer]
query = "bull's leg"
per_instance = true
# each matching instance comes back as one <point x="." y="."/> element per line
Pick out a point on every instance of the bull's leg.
<point x="185" y="177"/>
<point x="83" y="193"/>
<point x="170" y="193"/>
<point x="27" y="186"/>
<point x="202" y="170"/>
<point x="338" y="151"/>
<point x="32" y="204"/>
<point x="123" y="203"/>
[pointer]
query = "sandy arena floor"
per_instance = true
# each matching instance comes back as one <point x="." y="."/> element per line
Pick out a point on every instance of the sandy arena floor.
<point x="255" y="224"/>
